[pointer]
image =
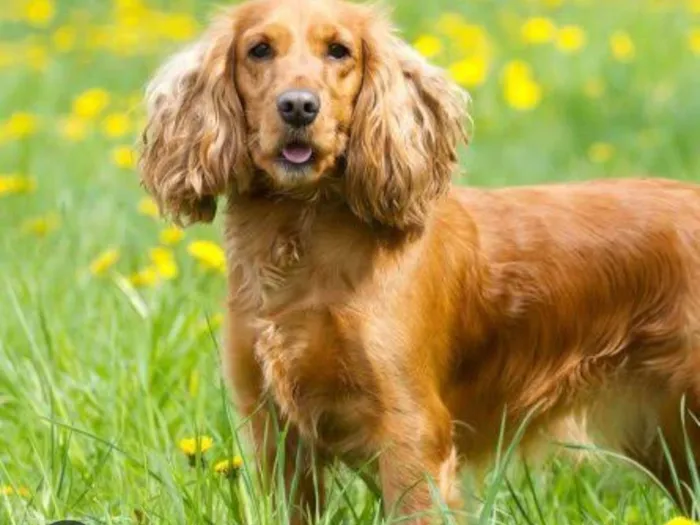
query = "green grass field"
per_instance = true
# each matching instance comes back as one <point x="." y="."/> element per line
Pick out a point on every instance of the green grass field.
<point x="109" y="317"/>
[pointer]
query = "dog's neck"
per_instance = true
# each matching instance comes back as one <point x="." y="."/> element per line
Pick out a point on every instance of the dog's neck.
<point x="279" y="246"/>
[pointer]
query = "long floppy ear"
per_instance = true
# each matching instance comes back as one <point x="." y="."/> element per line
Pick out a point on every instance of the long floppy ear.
<point x="408" y="121"/>
<point x="193" y="147"/>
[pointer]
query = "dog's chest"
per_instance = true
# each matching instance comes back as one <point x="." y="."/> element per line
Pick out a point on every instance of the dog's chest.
<point x="320" y="378"/>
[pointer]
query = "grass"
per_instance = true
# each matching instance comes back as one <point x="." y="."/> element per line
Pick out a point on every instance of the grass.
<point x="103" y="372"/>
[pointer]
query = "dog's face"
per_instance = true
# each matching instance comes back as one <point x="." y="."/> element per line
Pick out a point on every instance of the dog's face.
<point x="298" y="72"/>
<point x="291" y="91"/>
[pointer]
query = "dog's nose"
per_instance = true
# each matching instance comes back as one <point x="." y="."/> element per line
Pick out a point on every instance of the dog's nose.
<point x="298" y="107"/>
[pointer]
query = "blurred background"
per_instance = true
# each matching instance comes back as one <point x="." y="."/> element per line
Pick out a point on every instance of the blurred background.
<point x="109" y="316"/>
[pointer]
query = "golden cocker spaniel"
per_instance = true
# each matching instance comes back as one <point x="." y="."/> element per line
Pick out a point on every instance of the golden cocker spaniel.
<point x="381" y="311"/>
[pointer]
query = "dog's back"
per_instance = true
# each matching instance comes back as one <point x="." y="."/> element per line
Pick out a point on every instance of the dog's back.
<point x="591" y="307"/>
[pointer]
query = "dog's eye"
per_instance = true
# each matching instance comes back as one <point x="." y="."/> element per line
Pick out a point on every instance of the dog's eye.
<point x="338" y="51"/>
<point x="260" y="51"/>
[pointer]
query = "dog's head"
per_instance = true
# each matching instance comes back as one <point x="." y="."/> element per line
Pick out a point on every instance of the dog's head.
<point x="298" y="91"/>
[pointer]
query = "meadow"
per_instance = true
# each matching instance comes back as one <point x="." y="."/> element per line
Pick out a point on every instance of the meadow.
<point x="112" y="409"/>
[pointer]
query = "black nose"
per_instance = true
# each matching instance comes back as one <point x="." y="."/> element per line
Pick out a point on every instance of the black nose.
<point x="298" y="107"/>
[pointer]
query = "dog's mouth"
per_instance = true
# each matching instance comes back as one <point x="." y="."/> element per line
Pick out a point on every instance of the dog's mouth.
<point x="297" y="154"/>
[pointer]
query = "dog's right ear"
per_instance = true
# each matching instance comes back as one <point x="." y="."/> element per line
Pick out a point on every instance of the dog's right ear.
<point x="194" y="147"/>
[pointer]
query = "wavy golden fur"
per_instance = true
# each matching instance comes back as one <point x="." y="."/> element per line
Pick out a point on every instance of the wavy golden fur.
<point x="379" y="310"/>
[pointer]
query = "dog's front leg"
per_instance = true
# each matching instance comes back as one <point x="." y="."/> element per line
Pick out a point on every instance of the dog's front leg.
<point x="418" y="469"/>
<point x="279" y="451"/>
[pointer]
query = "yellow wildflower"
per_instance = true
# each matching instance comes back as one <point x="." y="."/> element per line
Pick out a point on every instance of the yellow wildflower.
<point x="469" y="72"/>
<point x="144" y="278"/>
<point x="7" y="56"/>
<point x="103" y="262"/>
<point x="171" y="235"/>
<point x="177" y="26"/>
<point x="16" y="184"/>
<point x="570" y="39"/>
<point x="116" y="125"/>
<point x="73" y="128"/>
<point x="694" y="41"/>
<point x="694" y="6"/>
<point x="209" y="254"/>
<point x="538" y="30"/>
<point x="91" y="103"/>
<point x="520" y="90"/>
<point x="601" y="152"/>
<point x="148" y="207"/>
<point x="41" y="226"/>
<point x="622" y="46"/>
<point x="681" y="521"/>
<point x="473" y="40"/>
<point x="64" y="38"/>
<point x="37" y="57"/>
<point x="192" y="447"/>
<point x="9" y="490"/>
<point x="164" y="263"/>
<point x="229" y="467"/>
<point x="124" y="157"/>
<point x="39" y="13"/>
<point x="428" y="45"/>
<point x="20" y="124"/>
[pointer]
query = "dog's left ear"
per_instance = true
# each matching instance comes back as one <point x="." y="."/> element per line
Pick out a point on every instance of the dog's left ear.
<point x="409" y="119"/>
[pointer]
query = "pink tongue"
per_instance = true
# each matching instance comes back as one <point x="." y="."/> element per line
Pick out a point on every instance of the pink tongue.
<point x="297" y="154"/>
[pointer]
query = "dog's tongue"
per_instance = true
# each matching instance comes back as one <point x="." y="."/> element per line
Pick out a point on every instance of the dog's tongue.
<point x="297" y="153"/>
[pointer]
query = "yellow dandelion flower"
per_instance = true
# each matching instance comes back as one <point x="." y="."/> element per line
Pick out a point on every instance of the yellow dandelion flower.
<point x="209" y="254"/>
<point x="470" y="72"/>
<point x="124" y="157"/>
<point x="73" y="128"/>
<point x="520" y="90"/>
<point x="148" y="207"/>
<point x="64" y="38"/>
<point x="164" y="263"/>
<point x="429" y="46"/>
<point x="20" y="124"/>
<point x="601" y="152"/>
<point x="9" y="490"/>
<point x="681" y="521"/>
<point x="91" y="103"/>
<point x="193" y="446"/>
<point x="8" y="56"/>
<point x="622" y="46"/>
<point x="37" y="56"/>
<point x="538" y="30"/>
<point x="694" y="41"/>
<point x="116" y="125"/>
<point x="171" y="235"/>
<point x="39" y="13"/>
<point x="10" y="184"/>
<point x="177" y="26"/>
<point x="570" y="39"/>
<point x="144" y="278"/>
<point x="101" y="264"/>
<point x="473" y="40"/>
<point x="229" y="467"/>
<point x="594" y="88"/>
<point x="41" y="226"/>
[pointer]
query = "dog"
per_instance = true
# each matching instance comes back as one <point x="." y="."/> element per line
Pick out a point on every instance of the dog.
<point x="376" y="310"/>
